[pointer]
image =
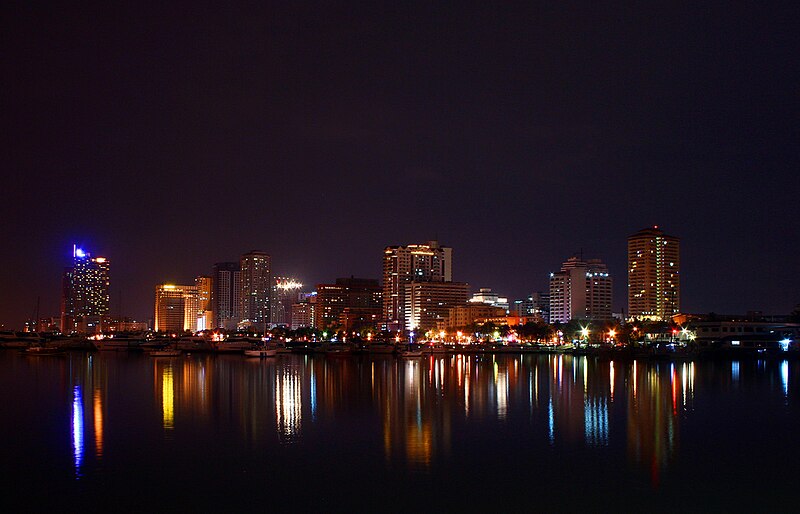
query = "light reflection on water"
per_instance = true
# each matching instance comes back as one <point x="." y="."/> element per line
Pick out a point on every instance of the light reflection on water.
<point x="77" y="428"/>
<point x="409" y="414"/>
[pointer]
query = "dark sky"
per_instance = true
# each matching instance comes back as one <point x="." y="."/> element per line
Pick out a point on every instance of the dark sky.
<point x="167" y="138"/>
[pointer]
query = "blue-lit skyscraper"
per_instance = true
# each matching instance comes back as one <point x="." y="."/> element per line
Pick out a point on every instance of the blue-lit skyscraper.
<point x="85" y="297"/>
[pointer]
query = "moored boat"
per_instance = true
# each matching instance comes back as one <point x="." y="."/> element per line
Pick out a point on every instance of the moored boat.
<point x="111" y="344"/>
<point x="43" y="350"/>
<point x="194" y="344"/>
<point x="233" y="346"/>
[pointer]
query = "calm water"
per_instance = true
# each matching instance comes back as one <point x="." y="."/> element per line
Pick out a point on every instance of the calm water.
<point x="127" y="432"/>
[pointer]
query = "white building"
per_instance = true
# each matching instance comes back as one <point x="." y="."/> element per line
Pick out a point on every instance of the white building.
<point x="581" y="290"/>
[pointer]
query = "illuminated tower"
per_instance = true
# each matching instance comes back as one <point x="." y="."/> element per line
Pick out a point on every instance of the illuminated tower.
<point x="654" y="286"/>
<point x="581" y="290"/>
<point x="84" y="290"/>
<point x="285" y="293"/>
<point x="226" y="290"/>
<point x="204" y="312"/>
<point x="176" y="308"/>
<point x="256" y="288"/>
<point x="413" y="263"/>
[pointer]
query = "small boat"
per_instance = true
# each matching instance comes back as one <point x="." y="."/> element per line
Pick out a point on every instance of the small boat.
<point x="261" y="353"/>
<point x="43" y="350"/>
<point x="112" y="343"/>
<point x="194" y="344"/>
<point x="435" y="349"/>
<point x="411" y="353"/>
<point x="165" y="352"/>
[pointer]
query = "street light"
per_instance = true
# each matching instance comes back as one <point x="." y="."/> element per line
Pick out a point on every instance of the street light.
<point x="585" y="334"/>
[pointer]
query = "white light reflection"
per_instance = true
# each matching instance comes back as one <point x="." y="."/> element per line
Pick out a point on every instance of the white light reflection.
<point x="77" y="428"/>
<point x="585" y="375"/>
<point x="551" y="434"/>
<point x="785" y="377"/>
<point x="611" y="379"/>
<point x="288" y="403"/>
<point x="501" y="393"/>
<point x="684" y="379"/>
<point x="466" y="395"/>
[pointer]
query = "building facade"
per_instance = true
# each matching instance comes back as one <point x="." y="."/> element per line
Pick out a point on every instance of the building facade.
<point x="581" y="290"/>
<point x="176" y="308"/>
<point x="402" y="265"/>
<point x="85" y="290"/>
<point x="463" y="316"/>
<point x="486" y="296"/>
<point x="357" y="297"/>
<point x="226" y="289"/>
<point x="205" y="315"/>
<point x="256" y="276"/>
<point x="654" y="285"/>
<point x="537" y="305"/>
<point x="428" y="304"/>
<point x="304" y="311"/>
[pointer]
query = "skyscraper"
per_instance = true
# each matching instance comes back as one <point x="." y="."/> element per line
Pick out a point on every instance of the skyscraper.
<point x="85" y="290"/>
<point x="226" y="290"/>
<point x="581" y="290"/>
<point x="654" y="286"/>
<point x="204" y="312"/>
<point x="176" y="308"/>
<point x="285" y="293"/>
<point x="256" y="276"/>
<point x="349" y="299"/>
<point x="428" y="304"/>
<point x="403" y="264"/>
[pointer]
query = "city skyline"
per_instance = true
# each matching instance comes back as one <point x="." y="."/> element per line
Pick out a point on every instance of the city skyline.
<point x="516" y="134"/>
<point x="620" y="302"/>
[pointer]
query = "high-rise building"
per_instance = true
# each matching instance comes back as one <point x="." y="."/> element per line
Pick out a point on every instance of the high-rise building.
<point x="226" y="289"/>
<point x="256" y="289"/>
<point x="581" y="290"/>
<point x="654" y="285"/>
<point x="537" y="305"/>
<point x="85" y="290"/>
<point x="428" y="262"/>
<point x="205" y="314"/>
<point x="428" y="304"/>
<point x="176" y="308"/>
<point x="304" y="311"/>
<point x="285" y="293"/>
<point x="359" y="299"/>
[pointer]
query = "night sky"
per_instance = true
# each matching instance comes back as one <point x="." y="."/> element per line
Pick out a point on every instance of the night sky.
<point x="171" y="137"/>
